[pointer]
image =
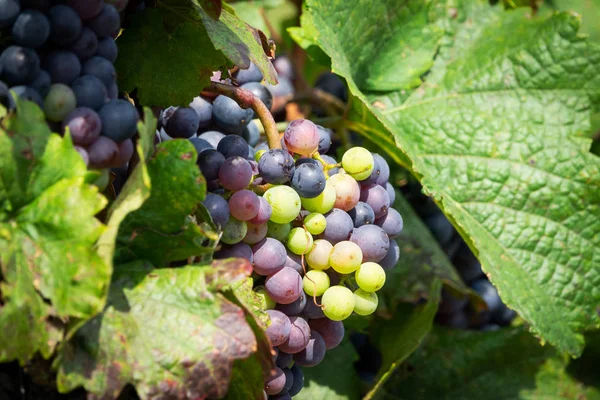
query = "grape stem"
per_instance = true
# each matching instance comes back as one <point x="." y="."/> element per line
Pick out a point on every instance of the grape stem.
<point x="247" y="99"/>
<point x="314" y="296"/>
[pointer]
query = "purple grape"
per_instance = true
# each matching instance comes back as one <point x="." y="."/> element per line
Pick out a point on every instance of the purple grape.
<point x="84" y="125"/>
<point x="107" y="22"/>
<point x="235" y="173"/>
<point x="276" y="166"/>
<point x="107" y="48"/>
<point x="269" y="258"/>
<point x="204" y="110"/>
<point x="293" y="261"/>
<point x="392" y="256"/>
<point x="84" y="154"/>
<point x="65" y="25"/>
<point x="238" y="250"/>
<point x="362" y="214"/>
<point x="325" y="135"/>
<point x="210" y="162"/>
<point x="244" y="205"/>
<point x="377" y="197"/>
<point x="313" y="353"/>
<point x="339" y="226"/>
<point x="284" y="286"/>
<point x="19" y="65"/>
<point x="264" y="212"/>
<point x="299" y="336"/>
<point x="280" y="327"/>
<point x="284" y="359"/>
<point x="298" y="380"/>
<point x="384" y="174"/>
<point x="212" y="137"/>
<point x="391" y="223"/>
<point x="302" y="137"/>
<point x="233" y="145"/>
<point x="86" y="8"/>
<point x="86" y="44"/>
<point x="124" y="154"/>
<point x="391" y="192"/>
<point x="275" y="383"/>
<point x="331" y="331"/>
<point x="31" y="29"/>
<point x="218" y="208"/>
<point x="373" y="242"/>
<point x="308" y="180"/>
<point x="256" y="233"/>
<point x="102" y="152"/>
<point x="294" y="308"/>
<point x="312" y="310"/>
<point x="284" y="67"/>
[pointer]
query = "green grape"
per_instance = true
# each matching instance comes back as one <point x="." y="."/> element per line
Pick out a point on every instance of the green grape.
<point x="266" y="301"/>
<point x="370" y="277"/>
<point x="59" y="102"/>
<point x="278" y="231"/>
<point x="259" y="154"/>
<point x="358" y="162"/>
<point x="365" y="303"/>
<point x="315" y="223"/>
<point x="338" y="303"/>
<point x="315" y="282"/>
<point x="323" y="203"/>
<point x="234" y="231"/>
<point x="299" y="241"/>
<point x="345" y="257"/>
<point x="285" y="203"/>
<point x="318" y="257"/>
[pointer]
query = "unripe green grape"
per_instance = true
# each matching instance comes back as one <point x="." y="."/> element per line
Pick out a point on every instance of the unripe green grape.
<point x="59" y="102"/>
<point x="365" y="303"/>
<point x="315" y="223"/>
<point x="318" y="257"/>
<point x="299" y="241"/>
<point x="358" y="162"/>
<point x="278" y="231"/>
<point x="323" y="203"/>
<point x="259" y="154"/>
<point x="234" y="231"/>
<point x="345" y="257"/>
<point x="315" y="282"/>
<point x="266" y="301"/>
<point x="370" y="277"/>
<point x="338" y="303"/>
<point x="285" y="203"/>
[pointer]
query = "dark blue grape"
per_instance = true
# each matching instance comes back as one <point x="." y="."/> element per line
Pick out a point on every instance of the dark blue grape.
<point x="372" y="240"/>
<point x="298" y="380"/>
<point x="119" y="120"/>
<point x="251" y="134"/>
<point x="384" y="170"/>
<point x="25" y="93"/>
<point x="201" y="145"/>
<point x="3" y="94"/>
<point x="31" y="29"/>
<point x="467" y="265"/>
<point x="228" y="115"/>
<point x="9" y="11"/>
<point x="107" y="22"/>
<point x="504" y="316"/>
<point x="113" y="91"/>
<point x="86" y="9"/>
<point x="339" y="226"/>
<point x="183" y="123"/>
<point x="108" y="49"/>
<point x="89" y="92"/>
<point x="441" y="227"/>
<point x="308" y="180"/>
<point x="452" y="302"/>
<point x="101" y="68"/>
<point x="19" y="65"/>
<point x="204" y="110"/>
<point x="276" y="166"/>
<point x="86" y="44"/>
<point x="284" y="67"/>
<point x="306" y="160"/>
<point x="65" y="25"/>
<point x="392" y="223"/>
<point x="42" y="83"/>
<point x="252" y="74"/>
<point x="489" y="294"/>
<point x="284" y="359"/>
<point x="233" y="146"/>
<point x="391" y="258"/>
<point x="209" y="162"/>
<point x="324" y="139"/>
<point x="284" y="88"/>
<point x="218" y="208"/>
<point x="295" y="307"/>
<point x="238" y="250"/>
<point x="40" y="5"/>
<point x="212" y="137"/>
<point x="63" y="66"/>
<point x="362" y="214"/>
<point x="332" y="84"/>
<point x="261" y="92"/>
<point x="391" y="192"/>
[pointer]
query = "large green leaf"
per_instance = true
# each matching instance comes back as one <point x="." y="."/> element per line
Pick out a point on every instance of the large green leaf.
<point x="50" y="269"/>
<point x="506" y="364"/>
<point x="171" y="333"/>
<point x="494" y="133"/>
<point x="161" y="230"/>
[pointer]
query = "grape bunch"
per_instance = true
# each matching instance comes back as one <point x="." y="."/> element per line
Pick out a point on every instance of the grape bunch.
<point x="60" y="55"/>
<point x="318" y="233"/>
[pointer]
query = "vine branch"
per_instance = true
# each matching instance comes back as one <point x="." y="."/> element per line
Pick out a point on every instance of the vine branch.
<point x="331" y="104"/>
<point x="247" y="99"/>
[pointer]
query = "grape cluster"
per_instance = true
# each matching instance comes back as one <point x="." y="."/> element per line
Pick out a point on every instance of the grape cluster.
<point x="317" y="232"/>
<point x="60" y="55"/>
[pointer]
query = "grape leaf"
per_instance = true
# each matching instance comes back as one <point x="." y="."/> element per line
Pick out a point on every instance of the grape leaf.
<point x="169" y="332"/>
<point x="47" y="236"/>
<point x="495" y="135"/>
<point x="177" y="65"/>
<point x="243" y="291"/>
<point x="334" y="378"/>
<point x="161" y="230"/>
<point x="505" y="364"/>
